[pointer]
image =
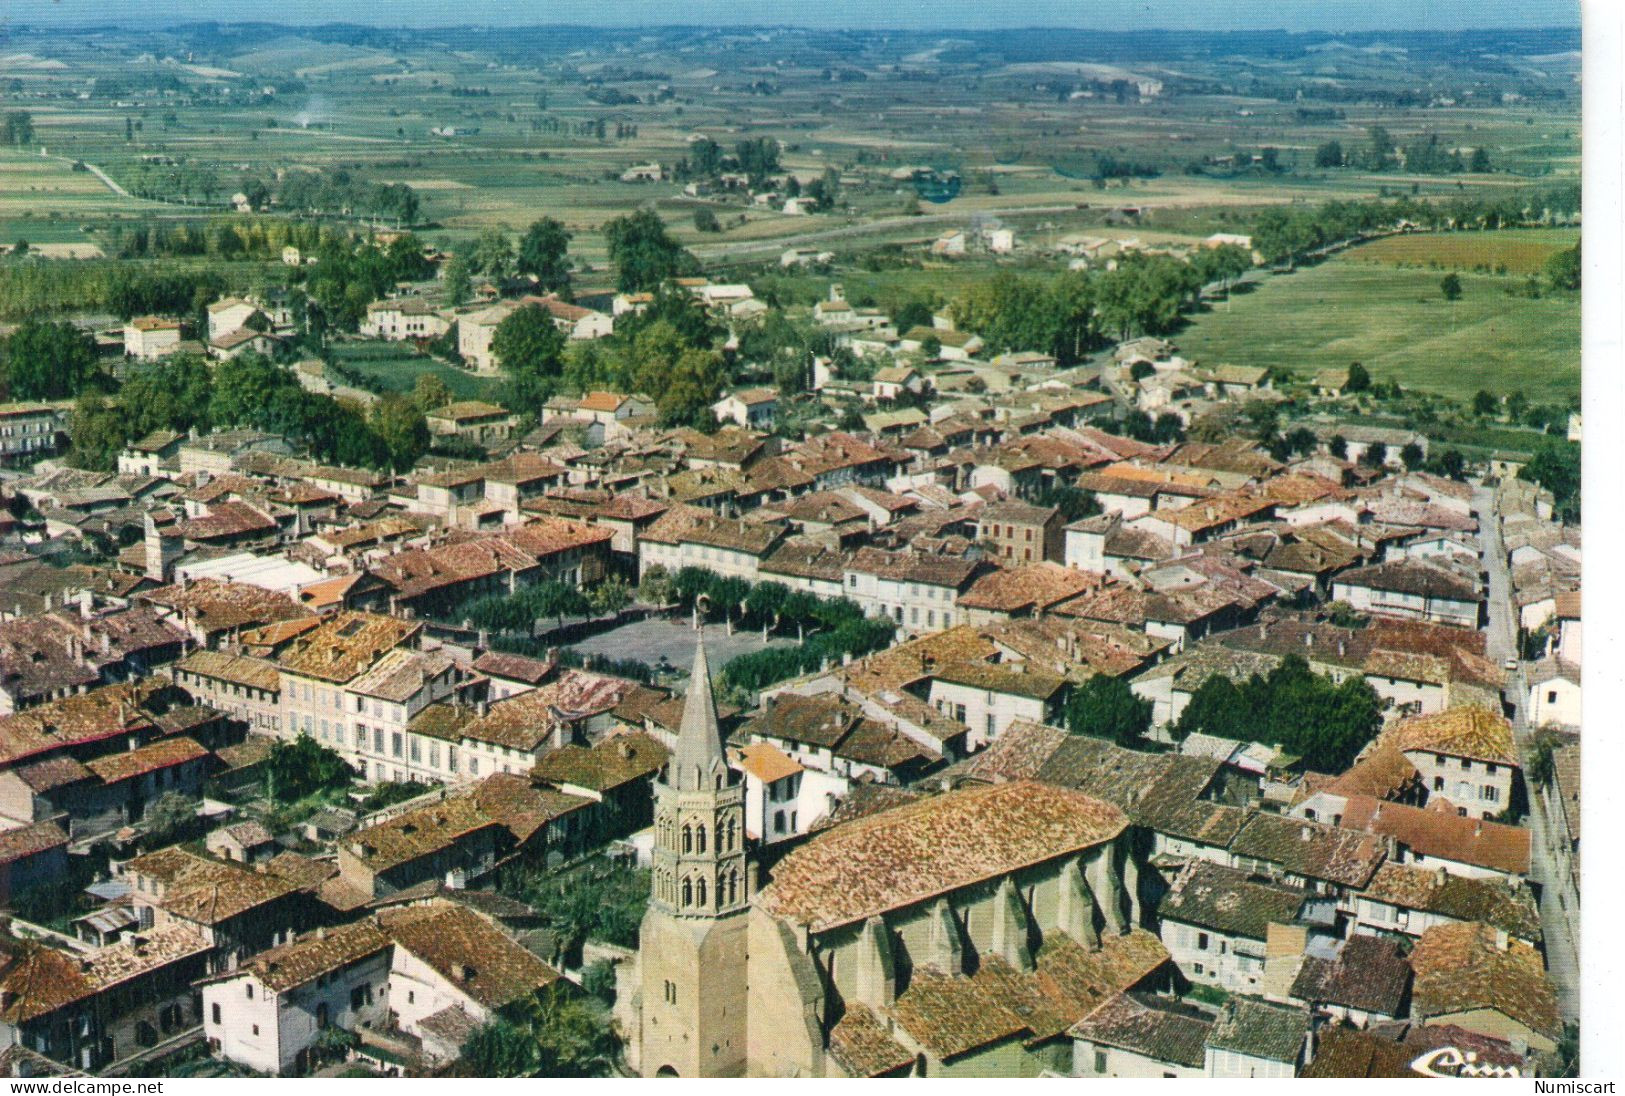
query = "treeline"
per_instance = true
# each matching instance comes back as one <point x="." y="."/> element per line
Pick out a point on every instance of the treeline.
<point x="340" y="193"/>
<point x="36" y="287"/>
<point x="1422" y="156"/>
<point x="329" y="193"/>
<point x="188" y="183"/>
<point x="236" y="237"/>
<point x="756" y="158"/>
<point x="1287" y="235"/>
<point x="838" y="627"/>
<point x="349" y="273"/>
<point x="1069" y="315"/>
<point x="185" y="392"/>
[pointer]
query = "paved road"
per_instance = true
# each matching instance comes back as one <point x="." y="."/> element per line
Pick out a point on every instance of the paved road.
<point x="1562" y="950"/>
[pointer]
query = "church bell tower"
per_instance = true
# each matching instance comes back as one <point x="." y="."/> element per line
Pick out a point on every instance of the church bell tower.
<point x="691" y="945"/>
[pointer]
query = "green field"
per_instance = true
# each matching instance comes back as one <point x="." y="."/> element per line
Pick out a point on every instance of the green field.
<point x="1519" y="251"/>
<point x="396" y="369"/>
<point x="1397" y="323"/>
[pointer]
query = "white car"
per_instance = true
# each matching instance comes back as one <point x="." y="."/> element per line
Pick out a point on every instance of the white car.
<point x="1511" y="665"/>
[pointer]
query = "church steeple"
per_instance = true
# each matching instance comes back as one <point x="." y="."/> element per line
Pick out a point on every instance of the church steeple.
<point x="698" y="759"/>
<point x="692" y="943"/>
<point x="699" y="854"/>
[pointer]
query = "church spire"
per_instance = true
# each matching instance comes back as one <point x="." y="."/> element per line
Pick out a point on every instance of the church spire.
<point x="699" y="740"/>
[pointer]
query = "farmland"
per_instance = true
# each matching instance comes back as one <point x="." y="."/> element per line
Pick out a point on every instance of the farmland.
<point x="1524" y="251"/>
<point x="1397" y="323"/>
<point x="493" y="129"/>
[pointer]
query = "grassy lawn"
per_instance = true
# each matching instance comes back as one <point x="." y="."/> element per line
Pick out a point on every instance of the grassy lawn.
<point x="1396" y="322"/>
<point x="396" y="369"/>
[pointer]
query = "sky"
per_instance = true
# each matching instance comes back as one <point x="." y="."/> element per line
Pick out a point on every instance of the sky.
<point x="1292" y="15"/>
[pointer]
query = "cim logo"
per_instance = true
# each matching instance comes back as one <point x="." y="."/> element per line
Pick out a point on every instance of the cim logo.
<point x="1450" y="1062"/>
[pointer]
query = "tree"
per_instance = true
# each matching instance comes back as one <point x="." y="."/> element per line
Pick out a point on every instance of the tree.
<point x="1379" y="148"/>
<point x="501" y="1049"/>
<point x="706" y="221"/>
<point x="655" y="588"/>
<point x="573" y="1033"/>
<point x="1359" y="380"/>
<point x="557" y="600"/>
<point x="401" y="432"/>
<point x="1563" y="269"/>
<point x="1375" y="455"/>
<point x="1325" y="724"/>
<point x="544" y="253"/>
<point x="430" y="392"/>
<point x="169" y="395"/>
<point x="530" y="347"/>
<point x="912" y="314"/>
<point x="1450" y="286"/>
<point x="1338" y="447"/>
<point x="303" y="767"/>
<point x="1105" y="707"/>
<point x="1329" y="154"/>
<point x="598" y="980"/>
<point x="695" y="382"/>
<point x="492" y="254"/>
<point x="1556" y="467"/>
<point x="1480" y="162"/>
<point x="98" y="433"/>
<point x="643" y="253"/>
<point x="1450" y="464"/>
<point x="1412" y="455"/>
<point x="18" y="128"/>
<point x="458" y="283"/>
<point x="609" y="596"/>
<point x="45" y="360"/>
<point x="1074" y="503"/>
<point x="1485" y="404"/>
<point x="168" y="817"/>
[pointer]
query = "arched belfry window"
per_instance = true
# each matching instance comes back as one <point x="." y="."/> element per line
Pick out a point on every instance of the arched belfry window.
<point x="699" y="892"/>
<point x="688" y="893"/>
<point x="699" y="838"/>
<point x="688" y="839"/>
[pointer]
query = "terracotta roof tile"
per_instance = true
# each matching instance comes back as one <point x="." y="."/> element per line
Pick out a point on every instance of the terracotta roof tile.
<point x="927" y="848"/>
<point x="1462" y="967"/>
<point x="1471" y="732"/>
<point x="462" y="947"/>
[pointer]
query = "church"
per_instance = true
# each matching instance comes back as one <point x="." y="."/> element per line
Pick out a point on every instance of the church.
<point x="959" y="934"/>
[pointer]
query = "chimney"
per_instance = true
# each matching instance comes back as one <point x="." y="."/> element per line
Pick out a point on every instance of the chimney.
<point x="1305" y="833"/>
<point x="1503" y="942"/>
<point x="85" y="604"/>
<point x="1440" y="877"/>
<point x="1342" y="647"/>
<point x="1308" y="639"/>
